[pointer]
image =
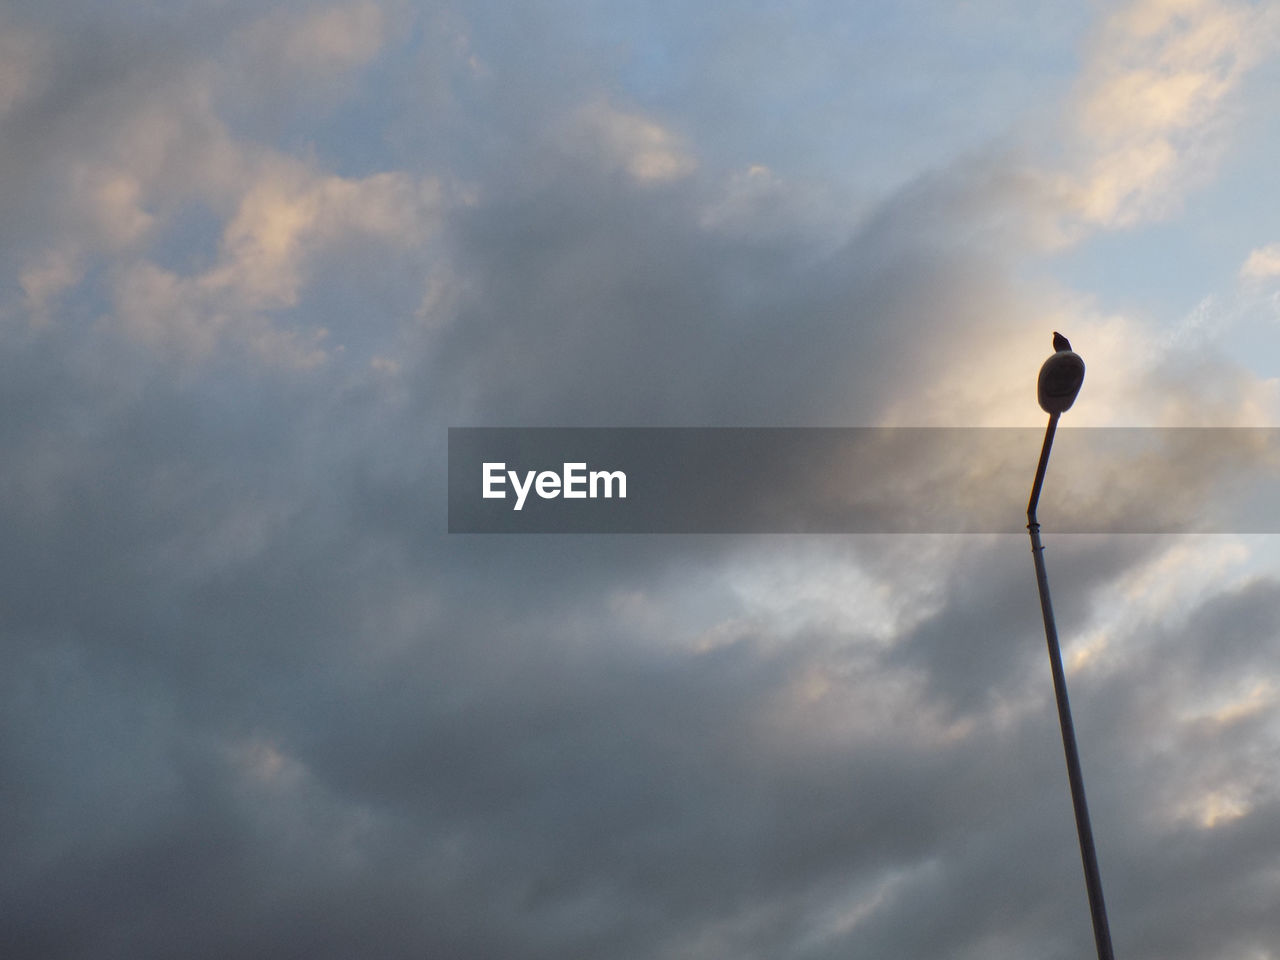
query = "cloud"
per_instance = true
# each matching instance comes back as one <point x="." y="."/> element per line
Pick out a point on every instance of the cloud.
<point x="286" y="212"/>
<point x="337" y="37"/>
<point x="1262" y="263"/>
<point x="299" y="62"/>
<point x="647" y="151"/>
<point x="287" y="217"/>
<point x="256" y="701"/>
<point x="45" y="278"/>
<point x="1149" y="120"/>
<point x="187" y="318"/>
<point x="112" y="201"/>
<point x="194" y="232"/>
<point x="23" y="64"/>
<point x="276" y="234"/>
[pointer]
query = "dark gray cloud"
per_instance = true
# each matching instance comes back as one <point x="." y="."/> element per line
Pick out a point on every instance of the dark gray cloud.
<point x="257" y="703"/>
<point x="608" y="303"/>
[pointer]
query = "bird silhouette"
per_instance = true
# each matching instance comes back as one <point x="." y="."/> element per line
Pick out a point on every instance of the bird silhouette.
<point x="1060" y="342"/>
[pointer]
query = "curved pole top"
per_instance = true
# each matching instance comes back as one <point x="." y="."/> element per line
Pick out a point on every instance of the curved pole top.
<point x="1044" y="463"/>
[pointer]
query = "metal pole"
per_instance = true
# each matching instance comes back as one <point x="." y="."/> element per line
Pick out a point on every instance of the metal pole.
<point x="1092" y="878"/>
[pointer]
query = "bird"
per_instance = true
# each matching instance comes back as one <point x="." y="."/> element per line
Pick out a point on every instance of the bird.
<point x="1061" y="343"/>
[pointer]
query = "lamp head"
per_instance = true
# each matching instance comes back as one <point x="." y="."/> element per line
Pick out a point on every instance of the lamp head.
<point x="1060" y="380"/>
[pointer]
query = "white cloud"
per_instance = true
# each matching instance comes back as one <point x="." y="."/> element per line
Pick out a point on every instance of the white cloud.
<point x="187" y="319"/>
<point x="1137" y="375"/>
<point x="1147" y="124"/>
<point x="145" y="159"/>
<point x="139" y="151"/>
<point x="22" y="60"/>
<point x="287" y="215"/>
<point x="644" y="148"/>
<point x="341" y="37"/>
<point x="112" y="199"/>
<point x="757" y="202"/>
<point x="1262" y="263"/>
<point x="123" y="164"/>
<point x="44" y="278"/>
<point x="290" y="211"/>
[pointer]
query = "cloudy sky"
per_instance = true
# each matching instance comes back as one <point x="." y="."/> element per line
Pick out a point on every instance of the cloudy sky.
<point x="255" y="259"/>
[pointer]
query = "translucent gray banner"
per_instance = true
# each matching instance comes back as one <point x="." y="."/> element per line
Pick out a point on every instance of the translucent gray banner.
<point x="860" y="480"/>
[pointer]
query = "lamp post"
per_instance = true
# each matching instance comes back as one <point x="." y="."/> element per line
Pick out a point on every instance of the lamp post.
<point x="1060" y="380"/>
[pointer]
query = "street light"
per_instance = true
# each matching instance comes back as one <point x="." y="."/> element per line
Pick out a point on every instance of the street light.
<point x="1060" y="380"/>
